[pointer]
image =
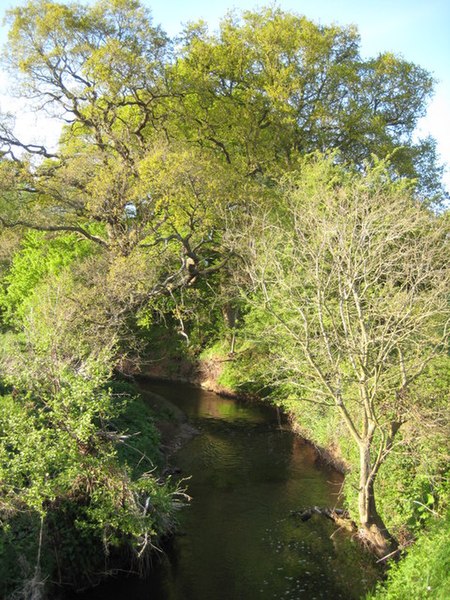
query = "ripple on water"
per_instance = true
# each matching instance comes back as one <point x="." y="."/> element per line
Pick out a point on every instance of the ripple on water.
<point x="240" y="541"/>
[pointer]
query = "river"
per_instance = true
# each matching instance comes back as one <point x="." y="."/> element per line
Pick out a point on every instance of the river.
<point x="237" y="538"/>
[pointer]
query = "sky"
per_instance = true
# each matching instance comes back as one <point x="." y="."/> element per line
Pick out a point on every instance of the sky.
<point x="416" y="30"/>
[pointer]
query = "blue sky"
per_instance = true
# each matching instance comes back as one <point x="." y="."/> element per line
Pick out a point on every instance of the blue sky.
<point x="418" y="30"/>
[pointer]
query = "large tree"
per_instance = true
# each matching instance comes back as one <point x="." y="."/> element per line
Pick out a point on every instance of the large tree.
<point x="117" y="178"/>
<point x="351" y="278"/>
<point x="270" y="86"/>
<point x="243" y="103"/>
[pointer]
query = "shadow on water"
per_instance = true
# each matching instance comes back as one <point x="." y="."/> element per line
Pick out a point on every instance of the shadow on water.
<point x="237" y="539"/>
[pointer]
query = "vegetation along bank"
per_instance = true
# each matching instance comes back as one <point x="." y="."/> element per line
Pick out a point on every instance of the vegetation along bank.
<point x="255" y="195"/>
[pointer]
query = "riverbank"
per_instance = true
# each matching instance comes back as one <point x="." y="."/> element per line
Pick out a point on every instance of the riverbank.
<point x="170" y="421"/>
<point x="206" y="374"/>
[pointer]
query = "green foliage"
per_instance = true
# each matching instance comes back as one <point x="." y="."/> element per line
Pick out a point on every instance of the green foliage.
<point x="424" y="570"/>
<point x="19" y="548"/>
<point x="61" y="436"/>
<point x="41" y="257"/>
<point x="271" y="86"/>
<point x="139" y="437"/>
<point x="414" y="487"/>
<point x="181" y="165"/>
<point x="60" y="459"/>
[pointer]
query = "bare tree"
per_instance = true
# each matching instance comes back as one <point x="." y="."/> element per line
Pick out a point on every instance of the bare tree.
<point x="353" y="277"/>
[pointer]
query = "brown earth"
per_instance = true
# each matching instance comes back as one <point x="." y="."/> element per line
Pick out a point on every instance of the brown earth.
<point x="205" y="374"/>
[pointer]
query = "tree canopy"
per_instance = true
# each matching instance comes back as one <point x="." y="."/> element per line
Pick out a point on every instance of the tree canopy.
<point x="261" y="182"/>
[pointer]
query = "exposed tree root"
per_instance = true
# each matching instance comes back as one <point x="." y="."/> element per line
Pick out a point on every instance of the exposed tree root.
<point x="371" y="538"/>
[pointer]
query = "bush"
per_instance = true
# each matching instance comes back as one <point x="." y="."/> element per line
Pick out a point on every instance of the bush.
<point x="424" y="572"/>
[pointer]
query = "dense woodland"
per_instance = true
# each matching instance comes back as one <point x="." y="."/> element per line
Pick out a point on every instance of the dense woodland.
<point x="252" y="196"/>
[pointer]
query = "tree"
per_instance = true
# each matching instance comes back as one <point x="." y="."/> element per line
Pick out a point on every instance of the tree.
<point x="352" y="274"/>
<point x="270" y="86"/>
<point x="163" y="147"/>
<point x="117" y="178"/>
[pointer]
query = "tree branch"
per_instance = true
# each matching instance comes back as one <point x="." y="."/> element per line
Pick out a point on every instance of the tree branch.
<point x="68" y="228"/>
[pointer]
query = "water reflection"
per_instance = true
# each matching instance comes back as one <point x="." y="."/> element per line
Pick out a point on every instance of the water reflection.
<point x="198" y="403"/>
<point x="237" y="538"/>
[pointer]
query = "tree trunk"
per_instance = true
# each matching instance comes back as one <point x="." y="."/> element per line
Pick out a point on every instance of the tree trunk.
<point x="372" y="526"/>
<point x="230" y="315"/>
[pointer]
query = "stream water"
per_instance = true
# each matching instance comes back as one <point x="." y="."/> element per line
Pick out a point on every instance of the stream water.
<point x="237" y="538"/>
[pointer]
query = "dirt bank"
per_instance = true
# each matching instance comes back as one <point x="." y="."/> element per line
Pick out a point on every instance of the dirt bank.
<point x="206" y="374"/>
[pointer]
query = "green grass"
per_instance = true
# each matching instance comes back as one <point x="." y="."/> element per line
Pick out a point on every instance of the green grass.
<point x="424" y="571"/>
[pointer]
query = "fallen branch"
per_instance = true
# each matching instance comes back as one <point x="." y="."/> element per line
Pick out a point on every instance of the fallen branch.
<point x="334" y="514"/>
